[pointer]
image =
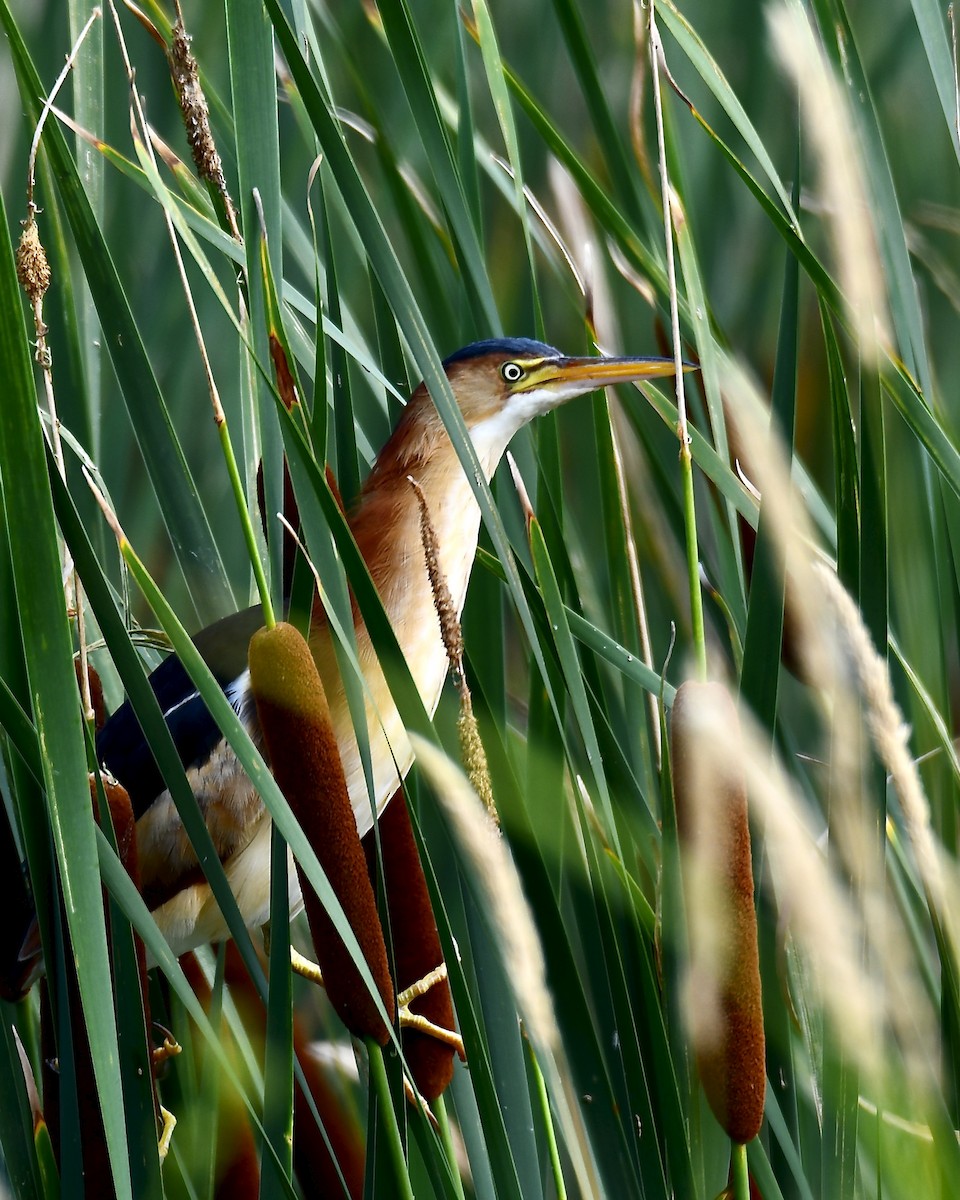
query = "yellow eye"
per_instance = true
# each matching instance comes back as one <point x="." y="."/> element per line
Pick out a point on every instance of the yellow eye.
<point x="511" y="372"/>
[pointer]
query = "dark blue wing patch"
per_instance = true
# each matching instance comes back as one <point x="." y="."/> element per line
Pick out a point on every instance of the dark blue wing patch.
<point x="121" y="745"/>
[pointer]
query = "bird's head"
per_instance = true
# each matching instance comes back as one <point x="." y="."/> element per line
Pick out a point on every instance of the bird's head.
<point x="502" y="384"/>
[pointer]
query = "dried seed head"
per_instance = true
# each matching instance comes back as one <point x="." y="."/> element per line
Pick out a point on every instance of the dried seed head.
<point x="442" y="600"/>
<point x="471" y="745"/>
<point x="847" y="207"/>
<point x="726" y="1016"/>
<point x="196" y="117"/>
<point x="891" y="736"/>
<point x="305" y="761"/>
<point x="193" y="105"/>
<point x="33" y="270"/>
<point x="473" y="754"/>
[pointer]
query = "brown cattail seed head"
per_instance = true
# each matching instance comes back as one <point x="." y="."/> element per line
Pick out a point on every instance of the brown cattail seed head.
<point x="124" y="822"/>
<point x="305" y="761"/>
<point x="416" y="945"/>
<point x="193" y="106"/>
<point x="726" y="1014"/>
<point x="328" y="1159"/>
<point x="33" y="270"/>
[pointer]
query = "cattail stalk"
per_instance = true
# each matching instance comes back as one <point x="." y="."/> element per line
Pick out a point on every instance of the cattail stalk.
<point x="726" y="1018"/>
<point x="672" y="219"/>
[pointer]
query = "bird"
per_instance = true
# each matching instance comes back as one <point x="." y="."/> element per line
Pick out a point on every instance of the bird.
<point x="500" y="385"/>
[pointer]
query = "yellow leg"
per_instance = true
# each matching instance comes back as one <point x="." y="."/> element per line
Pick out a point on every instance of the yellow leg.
<point x="412" y="1020"/>
<point x="407" y="1019"/>
<point x="169" y="1124"/>
<point x="422" y="986"/>
<point x="305" y="967"/>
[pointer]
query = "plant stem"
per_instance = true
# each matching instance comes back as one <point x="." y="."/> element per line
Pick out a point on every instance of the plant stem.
<point x="246" y="524"/>
<point x="693" y="556"/>
<point x="446" y="1137"/>
<point x="741" y="1176"/>
<point x="686" y="461"/>
<point x="548" y="1129"/>
<point x="378" y="1077"/>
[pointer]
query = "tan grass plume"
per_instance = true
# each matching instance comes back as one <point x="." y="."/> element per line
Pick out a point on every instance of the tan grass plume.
<point x="842" y="178"/>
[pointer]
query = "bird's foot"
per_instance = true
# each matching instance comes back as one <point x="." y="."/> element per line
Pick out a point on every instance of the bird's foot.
<point x="407" y="1019"/>
<point x="169" y="1048"/>
<point x="412" y="1020"/>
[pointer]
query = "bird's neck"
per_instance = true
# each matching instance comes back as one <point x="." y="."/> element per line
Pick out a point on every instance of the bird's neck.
<point x="387" y="526"/>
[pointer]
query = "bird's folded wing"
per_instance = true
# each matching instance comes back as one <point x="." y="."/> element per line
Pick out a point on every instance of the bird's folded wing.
<point x="122" y="746"/>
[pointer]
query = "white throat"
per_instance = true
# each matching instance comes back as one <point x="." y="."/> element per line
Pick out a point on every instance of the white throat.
<point x="492" y="435"/>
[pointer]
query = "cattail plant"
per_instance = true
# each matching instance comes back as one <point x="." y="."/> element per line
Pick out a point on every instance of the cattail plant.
<point x="416" y="947"/>
<point x="328" y="1159"/>
<point x="711" y="806"/>
<point x="302" y="749"/>
<point x="236" y="1166"/>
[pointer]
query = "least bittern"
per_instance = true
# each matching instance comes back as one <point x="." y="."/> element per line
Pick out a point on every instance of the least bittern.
<point x="500" y="386"/>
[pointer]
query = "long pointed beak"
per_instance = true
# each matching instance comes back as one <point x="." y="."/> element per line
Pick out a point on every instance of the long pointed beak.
<point x="586" y="374"/>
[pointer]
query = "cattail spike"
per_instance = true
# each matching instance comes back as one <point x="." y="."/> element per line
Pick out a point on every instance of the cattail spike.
<point x="726" y="1016"/>
<point x="305" y="761"/>
<point x="416" y="945"/>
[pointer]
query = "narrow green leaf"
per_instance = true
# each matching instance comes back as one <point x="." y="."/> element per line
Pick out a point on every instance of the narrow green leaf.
<point x="163" y="456"/>
<point x="20" y="1155"/>
<point x="572" y="673"/>
<point x="254" y="93"/>
<point x="408" y="51"/>
<point x="48" y="651"/>
<point x="760" y="674"/>
<point x="624" y="172"/>
<point x="709" y="71"/>
<point x="929" y="18"/>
